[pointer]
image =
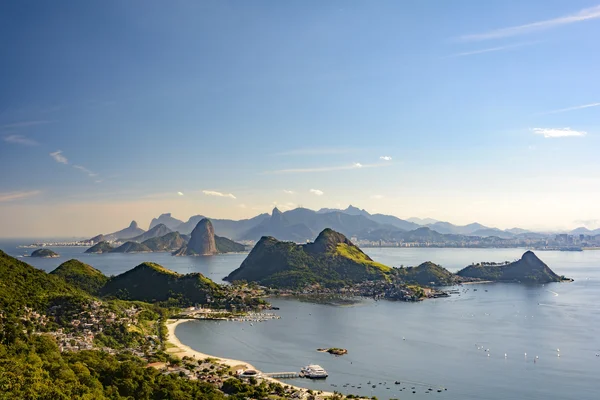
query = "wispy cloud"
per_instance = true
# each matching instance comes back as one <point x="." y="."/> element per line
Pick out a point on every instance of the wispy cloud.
<point x="20" y="139"/>
<point x="58" y="157"/>
<point x="11" y="196"/>
<point x="316" y="192"/>
<point x="558" y="132"/>
<point x="288" y="191"/>
<point x="377" y="196"/>
<point x="583" y="15"/>
<point x="84" y="169"/>
<point x="491" y="49"/>
<point x="24" y="124"/>
<point x="570" y="109"/>
<point x="316" y="151"/>
<point x="326" y="169"/>
<point x="385" y="158"/>
<point x="218" y="194"/>
<point x="179" y="193"/>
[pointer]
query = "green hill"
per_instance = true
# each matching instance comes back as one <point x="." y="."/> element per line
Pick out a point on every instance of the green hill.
<point x="22" y="285"/>
<point x="151" y="282"/>
<point x="132" y="247"/>
<point x="169" y="242"/>
<point x="99" y="248"/>
<point x="225" y="245"/>
<point x="427" y="273"/>
<point x="529" y="269"/>
<point x="332" y="260"/>
<point x="44" y="253"/>
<point x="80" y="275"/>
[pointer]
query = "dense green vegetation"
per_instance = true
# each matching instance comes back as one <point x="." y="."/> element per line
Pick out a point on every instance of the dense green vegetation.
<point x="152" y="283"/>
<point x="225" y="245"/>
<point x="169" y="242"/>
<point x="34" y="368"/>
<point x="332" y="260"/>
<point x="100" y="247"/>
<point x="82" y="276"/>
<point x="21" y="285"/>
<point x="427" y="273"/>
<point x="529" y="269"/>
<point x="44" y="253"/>
<point x="40" y="312"/>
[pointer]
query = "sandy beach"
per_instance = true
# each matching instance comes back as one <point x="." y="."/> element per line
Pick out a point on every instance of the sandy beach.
<point x="181" y="350"/>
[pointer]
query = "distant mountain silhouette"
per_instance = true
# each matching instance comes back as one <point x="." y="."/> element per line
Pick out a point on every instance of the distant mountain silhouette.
<point x="132" y="247"/>
<point x="204" y="242"/>
<point x="422" y="221"/>
<point x="585" y="231"/>
<point x="158" y="231"/>
<point x="301" y="224"/>
<point x="167" y="220"/>
<point x="131" y="231"/>
<point x="225" y="227"/>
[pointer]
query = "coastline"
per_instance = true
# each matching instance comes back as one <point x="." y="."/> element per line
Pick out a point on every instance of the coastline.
<point x="181" y="350"/>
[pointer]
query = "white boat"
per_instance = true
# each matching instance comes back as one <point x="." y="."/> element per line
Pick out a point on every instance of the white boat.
<point x="313" y="372"/>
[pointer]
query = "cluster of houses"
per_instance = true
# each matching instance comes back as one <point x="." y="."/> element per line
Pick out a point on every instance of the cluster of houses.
<point x="85" y="325"/>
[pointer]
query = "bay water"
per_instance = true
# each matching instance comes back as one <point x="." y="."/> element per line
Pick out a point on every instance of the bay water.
<point x="471" y="345"/>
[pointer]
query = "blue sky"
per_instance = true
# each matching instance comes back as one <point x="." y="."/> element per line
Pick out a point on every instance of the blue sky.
<point x="109" y="109"/>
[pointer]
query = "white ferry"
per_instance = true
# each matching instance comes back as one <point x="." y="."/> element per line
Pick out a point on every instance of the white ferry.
<point x="313" y="372"/>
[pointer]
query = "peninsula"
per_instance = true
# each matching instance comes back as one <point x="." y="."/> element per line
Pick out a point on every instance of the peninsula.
<point x="528" y="269"/>
<point x="332" y="264"/>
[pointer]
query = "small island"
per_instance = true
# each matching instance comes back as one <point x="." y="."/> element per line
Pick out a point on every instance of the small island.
<point x="336" y="351"/>
<point x="528" y="269"/>
<point x="44" y="253"/>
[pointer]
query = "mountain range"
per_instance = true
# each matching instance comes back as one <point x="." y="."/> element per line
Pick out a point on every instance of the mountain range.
<point x="302" y="224"/>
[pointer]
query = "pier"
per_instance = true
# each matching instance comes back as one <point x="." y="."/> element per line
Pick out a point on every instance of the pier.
<point x="282" y="375"/>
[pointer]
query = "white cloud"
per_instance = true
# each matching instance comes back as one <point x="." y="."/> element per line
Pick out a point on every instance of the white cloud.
<point x="10" y="196"/>
<point x="571" y="108"/>
<point x="316" y="192"/>
<point x="583" y="15"/>
<point x="288" y="191"/>
<point x="377" y="197"/>
<point x="557" y="132"/>
<point x="218" y="194"/>
<point x="385" y="158"/>
<point x="326" y="169"/>
<point x="492" y="49"/>
<point x="58" y="157"/>
<point x="180" y="193"/>
<point x="84" y="169"/>
<point x="20" y="139"/>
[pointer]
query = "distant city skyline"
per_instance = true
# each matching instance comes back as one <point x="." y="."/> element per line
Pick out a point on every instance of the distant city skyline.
<point x="463" y="112"/>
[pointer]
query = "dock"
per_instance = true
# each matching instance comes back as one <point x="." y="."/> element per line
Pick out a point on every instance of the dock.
<point x="282" y="375"/>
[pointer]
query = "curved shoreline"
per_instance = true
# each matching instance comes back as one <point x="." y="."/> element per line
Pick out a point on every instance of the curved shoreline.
<point x="184" y="350"/>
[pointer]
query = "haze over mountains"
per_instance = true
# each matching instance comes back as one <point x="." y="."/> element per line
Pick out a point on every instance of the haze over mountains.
<point x="302" y="224"/>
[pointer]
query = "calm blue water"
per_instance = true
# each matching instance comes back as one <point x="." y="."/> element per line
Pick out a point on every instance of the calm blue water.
<point x="441" y="336"/>
<point x="216" y="268"/>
